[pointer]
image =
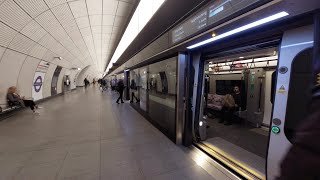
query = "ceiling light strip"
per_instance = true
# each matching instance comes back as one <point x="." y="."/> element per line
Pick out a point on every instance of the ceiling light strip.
<point x="144" y="12"/>
<point x="242" y="28"/>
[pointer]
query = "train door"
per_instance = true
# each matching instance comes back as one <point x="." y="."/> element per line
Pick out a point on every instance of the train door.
<point x="233" y="106"/>
<point x="293" y="93"/>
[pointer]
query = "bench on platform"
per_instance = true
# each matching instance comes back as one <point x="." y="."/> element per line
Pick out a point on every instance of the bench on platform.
<point x="6" y="110"/>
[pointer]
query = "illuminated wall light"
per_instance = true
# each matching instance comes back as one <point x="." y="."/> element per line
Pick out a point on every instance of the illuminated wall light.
<point x="213" y="34"/>
<point x="228" y="72"/>
<point x="241" y="29"/>
<point x="266" y="59"/>
<point x="243" y="61"/>
<point x="200" y="123"/>
<point x="241" y="57"/>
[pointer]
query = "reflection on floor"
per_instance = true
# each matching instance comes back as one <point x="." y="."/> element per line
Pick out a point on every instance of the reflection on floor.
<point x="242" y="143"/>
<point x="238" y="154"/>
<point x="254" y="140"/>
<point x="84" y="134"/>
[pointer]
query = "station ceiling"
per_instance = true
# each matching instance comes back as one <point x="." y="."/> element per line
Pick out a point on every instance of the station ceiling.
<point x="82" y="32"/>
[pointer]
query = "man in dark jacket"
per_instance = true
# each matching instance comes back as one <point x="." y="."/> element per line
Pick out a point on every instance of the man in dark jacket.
<point x="120" y="89"/>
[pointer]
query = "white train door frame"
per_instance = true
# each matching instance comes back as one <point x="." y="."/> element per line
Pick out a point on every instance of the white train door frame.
<point x="293" y="42"/>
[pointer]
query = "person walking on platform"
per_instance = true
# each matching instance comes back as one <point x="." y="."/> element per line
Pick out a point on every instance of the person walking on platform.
<point x="133" y="88"/>
<point x="120" y="89"/>
<point x="86" y="82"/>
<point x="103" y="85"/>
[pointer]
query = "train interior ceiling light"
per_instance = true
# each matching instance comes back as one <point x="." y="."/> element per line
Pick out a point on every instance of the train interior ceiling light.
<point x="144" y="12"/>
<point x="241" y="29"/>
<point x="225" y="67"/>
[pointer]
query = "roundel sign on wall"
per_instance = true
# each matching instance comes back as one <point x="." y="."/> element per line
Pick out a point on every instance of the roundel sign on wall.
<point x="37" y="84"/>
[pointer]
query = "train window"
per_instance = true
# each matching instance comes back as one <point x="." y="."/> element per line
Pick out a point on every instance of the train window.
<point x="298" y="96"/>
<point x="162" y="83"/>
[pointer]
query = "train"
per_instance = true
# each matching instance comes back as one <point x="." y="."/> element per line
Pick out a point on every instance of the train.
<point x="261" y="54"/>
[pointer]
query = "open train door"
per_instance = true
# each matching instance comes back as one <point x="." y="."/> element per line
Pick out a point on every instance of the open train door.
<point x="292" y="94"/>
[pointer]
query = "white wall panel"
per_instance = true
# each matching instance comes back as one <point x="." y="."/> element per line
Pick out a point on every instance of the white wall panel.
<point x="96" y="29"/>
<point x="95" y="20"/>
<point x="119" y="21"/>
<point x="83" y="22"/>
<point x="86" y="34"/>
<point x="33" y="7"/>
<point x="6" y="34"/>
<point x="49" y="22"/>
<point x="34" y="31"/>
<point x="108" y="20"/>
<point x="22" y="44"/>
<point x="62" y="13"/>
<point x="13" y="15"/>
<point x="73" y="80"/>
<point x="60" y="79"/>
<point x="38" y="51"/>
<point x="110" y="7"/>
<point x="123" y="9"/>
<point x="47" y="81"/>
<point x="94" y="7"/>
<point x="53" y="3"/>
<point x="79" y="8"/>
<point x="25" y="79"/>
<point x="10" y="66"/>
<point x="2" y="50"/>
<point x="47" y="40"/>
<point x="49" y="56"/>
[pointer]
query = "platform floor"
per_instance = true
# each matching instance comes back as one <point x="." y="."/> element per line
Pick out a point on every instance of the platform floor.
<point x="84" y="134"/>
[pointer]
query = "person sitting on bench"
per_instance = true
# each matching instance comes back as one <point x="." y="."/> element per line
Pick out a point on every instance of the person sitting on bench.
<point x="15" y="99"/>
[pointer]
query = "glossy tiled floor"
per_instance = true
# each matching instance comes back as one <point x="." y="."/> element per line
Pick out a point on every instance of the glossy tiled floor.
<point x="86" y="135"/>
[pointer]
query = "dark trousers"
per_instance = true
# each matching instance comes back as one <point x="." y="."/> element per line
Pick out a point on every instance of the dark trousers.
<point x="29" y="103"/>
<point x="227" y="116"/>
<point x="133" y="96"/>
<point x="120" y="96"/>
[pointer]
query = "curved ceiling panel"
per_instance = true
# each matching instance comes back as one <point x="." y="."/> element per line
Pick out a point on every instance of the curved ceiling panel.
<point x="82" y="32"/>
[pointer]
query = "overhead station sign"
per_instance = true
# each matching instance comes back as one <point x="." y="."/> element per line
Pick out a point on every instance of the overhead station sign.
<point x="207" y="16"/>
<point x="43" y="66"/>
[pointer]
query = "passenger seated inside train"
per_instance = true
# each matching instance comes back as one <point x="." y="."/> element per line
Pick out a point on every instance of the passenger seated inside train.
<point x="14" y="99"/>
<point x="226" y="107"/>
<point x="229" y="106"/>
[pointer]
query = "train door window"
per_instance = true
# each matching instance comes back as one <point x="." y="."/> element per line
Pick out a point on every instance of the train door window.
<point x="237" y="110"/>
<point x="162" y="95"/>
<point x="299" y="94"/>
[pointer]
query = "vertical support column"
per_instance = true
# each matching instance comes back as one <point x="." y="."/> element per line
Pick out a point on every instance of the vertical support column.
<point x="127" y="84"/>
<point x="192" y="71"/>
<point x="316" y="57"/>
<point x="187" y="130"/>
<point x="180" y="103"/>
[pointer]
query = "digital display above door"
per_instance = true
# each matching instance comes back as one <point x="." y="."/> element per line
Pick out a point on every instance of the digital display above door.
<point x="207" y="16"/>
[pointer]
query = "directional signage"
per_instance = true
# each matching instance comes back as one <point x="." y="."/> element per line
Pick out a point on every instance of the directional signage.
<point x="209" y="15"/>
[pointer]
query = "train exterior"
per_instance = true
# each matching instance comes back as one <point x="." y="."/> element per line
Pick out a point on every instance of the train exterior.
<point x="233" y="80"/>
